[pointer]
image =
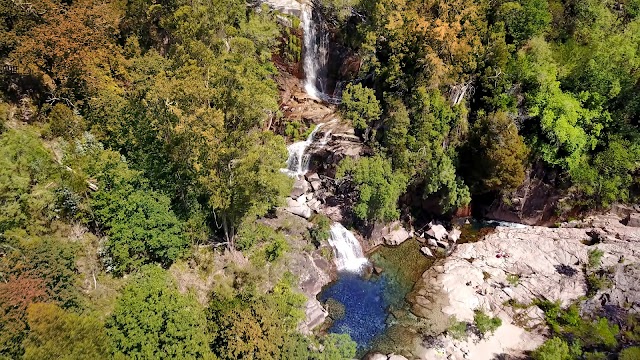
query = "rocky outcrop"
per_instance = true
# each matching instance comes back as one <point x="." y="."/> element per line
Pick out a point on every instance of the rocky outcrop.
<point x="289" y="7"/>
<point x="378" y="356"/>
<point x="519" y="265"/>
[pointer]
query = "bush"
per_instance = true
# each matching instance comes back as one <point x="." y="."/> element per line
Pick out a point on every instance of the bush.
<point x="458" y="329"/>
<point x="484" y="323"/>
<point x="595" y="258"/>
<point x="553" y="349"/>
<point x="632" y="353"/>
<point x="321" y="229"/>
<point x="63" y="122"/>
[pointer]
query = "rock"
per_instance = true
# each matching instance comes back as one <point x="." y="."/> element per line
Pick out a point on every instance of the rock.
<point x="300" y="187"/>
<point x="395" y="234"/>
<point x="296" y="208"/>
<point x="314" y="205"/>
<point x="432" y="242"/>
<point x="473" y="277"/>
<point x="454" y="235"/>
<point x="290" y="7"/>
<point x="633" y="220"/>
<point x="377" y="356"/>
<point x="437" y="232"/>
<point x="426" y="251"/>
<point x="315" y="315"/>
<point x="314" y="180"/>
<point x="396" y="357"/>
<point x="443" y="244"/>
<point x="377" y="270"/>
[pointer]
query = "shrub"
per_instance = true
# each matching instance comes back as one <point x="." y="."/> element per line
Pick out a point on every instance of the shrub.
<point x="321" y="229"/>
<point x="553" y="349"/>
<point x="513" y="279"/>
<point x="631" y="353"/>
<point x="595" y="258"/>
<point x="458" y="329"/>
<point x="484" y="323"/>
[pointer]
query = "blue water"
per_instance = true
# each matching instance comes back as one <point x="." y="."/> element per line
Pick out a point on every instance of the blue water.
<point x="365" y="307"/>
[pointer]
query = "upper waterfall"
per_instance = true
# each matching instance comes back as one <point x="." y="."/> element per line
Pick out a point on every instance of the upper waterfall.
<point x="315" y="53"/>
<point x="348" y="252"/>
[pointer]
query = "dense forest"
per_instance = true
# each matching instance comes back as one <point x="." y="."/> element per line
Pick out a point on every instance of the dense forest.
<point x="137" y="138"/>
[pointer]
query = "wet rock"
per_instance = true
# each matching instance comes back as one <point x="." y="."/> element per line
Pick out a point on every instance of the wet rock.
<point x="437" y="232"/>
<point x="426" y="251"/>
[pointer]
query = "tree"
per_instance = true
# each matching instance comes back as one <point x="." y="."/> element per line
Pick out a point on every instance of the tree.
<point x="379" y="187"/>
<point x="361" y="107"/>
<point x="16" y="294"/>
<point x="57" y="334"/>
<point x="525" y="19"/>
<point x="499" y="153"/>
<point x="141" y="228"/>
<point x="63" y="122"/>
<point x="256" y="326"/>
<point x="152" y="320"/>
<point x="553" y="349"/>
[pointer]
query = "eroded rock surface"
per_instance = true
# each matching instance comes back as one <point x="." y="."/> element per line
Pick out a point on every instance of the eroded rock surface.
<point x="520" y="265"/>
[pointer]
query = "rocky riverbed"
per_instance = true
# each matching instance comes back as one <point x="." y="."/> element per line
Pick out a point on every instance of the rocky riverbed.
<point x="516" y="266"/>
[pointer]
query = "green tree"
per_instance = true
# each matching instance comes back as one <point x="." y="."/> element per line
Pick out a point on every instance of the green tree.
<point x="57" y="334"/>
<point x="63" y="122"/>
<point x="630" y="353"/>
<point x="499" y="153"/>
<point x="361" y="107"/>
<point x="379" y="187"/>
<point x="152" y="320"/>
<point x="256" y="326"/>
<point x="553" y="349"/>
<point x="525" y="19"/>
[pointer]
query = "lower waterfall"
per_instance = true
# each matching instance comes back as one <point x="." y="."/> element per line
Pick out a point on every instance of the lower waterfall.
<point x="298" y="160"/>
<point x="348" y="252"/>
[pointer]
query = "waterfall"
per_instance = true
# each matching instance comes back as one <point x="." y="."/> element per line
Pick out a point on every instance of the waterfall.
<point x="298" y="160"/>
<point x="348" y="252"/>
<point x="315" y="53"/>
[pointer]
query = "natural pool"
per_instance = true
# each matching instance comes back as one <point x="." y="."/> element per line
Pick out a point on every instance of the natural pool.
<point x="372" y="307"/>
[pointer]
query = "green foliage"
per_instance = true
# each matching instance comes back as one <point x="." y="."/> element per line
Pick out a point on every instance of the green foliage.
<point x="630" y="353"/>
<point x="337" y="347"/>
<point x="292" y="47"/>
<point x="27" y="182"/>
<point x="58" y="334"/>
<point x="513" y="279"/>
<point x="553" y="349"/>
<point x="378" y="186"/>
<point x="595" y="258"/>
<point x="63" y="122"/>
<point x="321" y="229"/>
<point x="152" y="320"/>
<point x="499" y="154"/>
<point x="525" y="19"/>
<point x="484" y="323"/>
<point x="457" y="329"/>
<point x="251" y="325"/>
<point x="360" y="106"/>
<point x="252" y="233"/>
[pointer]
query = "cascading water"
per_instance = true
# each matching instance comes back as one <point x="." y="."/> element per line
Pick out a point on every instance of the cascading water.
<point x="298" y="160"/>
<point x="315" y="54"/>
<point x="348" y="252"/>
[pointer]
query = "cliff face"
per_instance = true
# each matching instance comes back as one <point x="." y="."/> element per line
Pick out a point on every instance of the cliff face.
<point x="520" y="265"/>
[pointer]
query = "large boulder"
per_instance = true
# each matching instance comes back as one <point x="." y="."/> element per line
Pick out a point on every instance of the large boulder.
<point x="437" y="232"/>
<point x="426" y="251"/>
<point x="314" y="180"/>
<point x="300" y="187"/>
<point x="297" y="208"/>
<point x="396" y="234"/>
<point x="454" y="235"/>
<point x="633" y="220"/>
<point x="289" y="7"/>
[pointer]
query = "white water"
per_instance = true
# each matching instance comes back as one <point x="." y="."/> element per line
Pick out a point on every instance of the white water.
<point x="298" y="160"/>
<point x="315" y="53"/>
<point x="348" y="252"/>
